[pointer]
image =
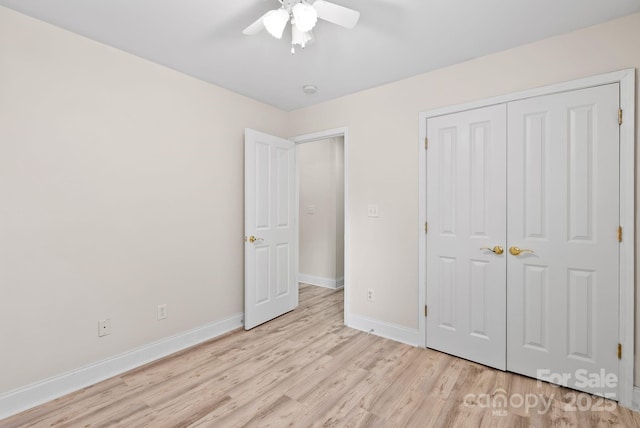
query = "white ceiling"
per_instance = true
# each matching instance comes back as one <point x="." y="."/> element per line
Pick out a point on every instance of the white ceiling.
<point x="394" y="39"/>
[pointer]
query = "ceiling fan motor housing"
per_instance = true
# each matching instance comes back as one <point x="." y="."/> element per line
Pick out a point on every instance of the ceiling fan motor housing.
<point x="288" y="4"/>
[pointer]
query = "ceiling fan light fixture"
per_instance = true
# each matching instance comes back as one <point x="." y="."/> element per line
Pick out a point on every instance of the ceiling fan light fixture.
<point x="305" y="16"/>
<point x="299" y="37"/>
<point x="275" y="21"/>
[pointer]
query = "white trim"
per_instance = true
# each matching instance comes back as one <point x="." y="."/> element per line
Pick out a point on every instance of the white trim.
<point x="635" y="402"/>
<point x="422" y="236"/>
<point x="387" y="330"/>
<point x="333" y="283"/>
<point x="321" y="135"/>
<point x="626" y="79"/>
<point x="587" y="82"/>
<point x="627" y="246"/>
<point x="29" y="396"/>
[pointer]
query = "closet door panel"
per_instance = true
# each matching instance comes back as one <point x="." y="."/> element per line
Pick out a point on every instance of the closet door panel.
<point x="466" y="194"/>
<point x="563" y="190"/>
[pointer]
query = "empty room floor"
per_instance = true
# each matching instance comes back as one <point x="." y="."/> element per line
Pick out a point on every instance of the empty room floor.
<point x="306" y="369"/>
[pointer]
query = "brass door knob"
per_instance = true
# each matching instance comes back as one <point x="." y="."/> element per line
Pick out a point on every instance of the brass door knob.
<point x="517" y="251"/>
<point x="252" y="239"/>
<point x="496" y="250"/>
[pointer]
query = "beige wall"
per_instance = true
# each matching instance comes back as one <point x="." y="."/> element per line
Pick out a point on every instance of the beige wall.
<point x="121" y="185"/>
<point x="383" y="149"/>
<point x="320" y="165"/>
<point x="121" y="188"/>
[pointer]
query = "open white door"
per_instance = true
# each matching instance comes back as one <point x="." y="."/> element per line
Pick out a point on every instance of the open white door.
<point x="270" y="286"/>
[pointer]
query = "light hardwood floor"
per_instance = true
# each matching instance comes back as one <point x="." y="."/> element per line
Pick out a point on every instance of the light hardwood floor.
<point x="306" y="369"/>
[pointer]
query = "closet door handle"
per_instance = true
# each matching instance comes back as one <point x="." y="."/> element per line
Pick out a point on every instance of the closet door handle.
<point x="496" y="250"/>
<point x="517" y="251"/>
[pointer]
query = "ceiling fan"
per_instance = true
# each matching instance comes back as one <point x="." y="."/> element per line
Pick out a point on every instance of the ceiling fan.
<point x="303" y="16"/>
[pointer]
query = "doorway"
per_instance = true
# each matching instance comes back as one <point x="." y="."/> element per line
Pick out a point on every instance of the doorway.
<point x="322" y="215"/>
<point x="555" y="210"/>
<point x="580" y="281"/>
<point x="271" y="224"/>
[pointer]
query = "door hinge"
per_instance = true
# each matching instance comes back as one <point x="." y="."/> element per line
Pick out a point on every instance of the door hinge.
<point x="426" y="227"/>
<point x="619" y="351"/>
<point x="619" y="233"/>
<point x="425" y="310"/>
<point x="619" y="116"/>
<point x="426" y="143"/>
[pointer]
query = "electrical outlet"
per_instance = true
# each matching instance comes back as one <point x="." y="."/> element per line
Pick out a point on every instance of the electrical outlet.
<point x="104" y="327"/>
<point x="162" y="311"/>
<point x="373" y="210"/>
<point x="370" y="295"/>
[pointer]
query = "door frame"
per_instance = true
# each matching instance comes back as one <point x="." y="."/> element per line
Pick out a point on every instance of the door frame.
<point x="626" y="79"/>
<point x="309" y="138"/>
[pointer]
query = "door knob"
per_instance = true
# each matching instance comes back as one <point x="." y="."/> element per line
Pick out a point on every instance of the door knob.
<point x="253" y="239"/>
<point x="496" y="250"/>
<point x="517" y="251"/>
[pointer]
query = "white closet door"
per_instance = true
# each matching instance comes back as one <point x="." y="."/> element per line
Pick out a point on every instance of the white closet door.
<point x="466" y="194"/>
<point x="563" y="206"/>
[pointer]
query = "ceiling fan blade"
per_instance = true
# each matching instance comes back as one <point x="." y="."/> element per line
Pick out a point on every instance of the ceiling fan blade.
<point x="336" y="14"/>
<point x="255" y="28"/>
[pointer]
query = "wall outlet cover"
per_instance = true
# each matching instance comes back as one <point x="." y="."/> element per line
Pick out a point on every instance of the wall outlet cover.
<point x="162" y="311"/>
<point x="104" y="327"/>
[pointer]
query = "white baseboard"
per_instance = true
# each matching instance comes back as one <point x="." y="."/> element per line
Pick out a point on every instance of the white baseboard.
<point x="384" y="329"/>
<point x="321" y="281"/>
<point x="29" y="396"/>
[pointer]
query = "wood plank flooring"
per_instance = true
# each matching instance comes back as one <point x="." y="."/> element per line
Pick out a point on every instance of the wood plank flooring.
<point x="306" y="369"/>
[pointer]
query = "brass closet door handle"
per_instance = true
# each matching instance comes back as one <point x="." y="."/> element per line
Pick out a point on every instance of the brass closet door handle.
<point x="517" y="251"/>
<point x="253" y="239"/>
<point x="496" y="250"/>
